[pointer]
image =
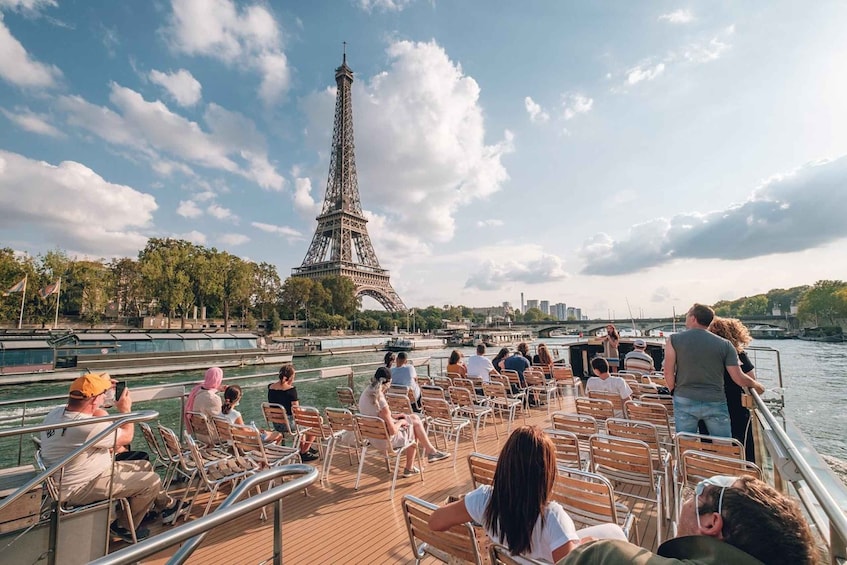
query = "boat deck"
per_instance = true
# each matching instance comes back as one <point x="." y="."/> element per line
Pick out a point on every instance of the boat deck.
<point x="337" y="524"/>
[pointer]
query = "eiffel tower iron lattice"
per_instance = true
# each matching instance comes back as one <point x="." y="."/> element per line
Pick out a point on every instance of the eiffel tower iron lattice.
<point x="341" y="245"/>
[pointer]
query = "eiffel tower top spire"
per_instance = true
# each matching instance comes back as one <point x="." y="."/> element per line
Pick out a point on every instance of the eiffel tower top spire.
<point x="341" y="245"/>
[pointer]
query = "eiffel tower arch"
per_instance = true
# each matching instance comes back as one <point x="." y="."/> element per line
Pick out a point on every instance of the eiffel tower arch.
<point x="341" y="245"/>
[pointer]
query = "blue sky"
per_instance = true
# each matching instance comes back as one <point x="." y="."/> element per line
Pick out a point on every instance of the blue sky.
<point x="655" y="153"/>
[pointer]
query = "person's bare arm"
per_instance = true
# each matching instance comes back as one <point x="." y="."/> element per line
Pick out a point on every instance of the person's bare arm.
<point x="741" y="379"/>
<point x="124" y="406"/>
<point x="385" y="414"/>
<point x="670" y="365"/>
<point x="562" y="551"/>
<point x="449" y="515"/>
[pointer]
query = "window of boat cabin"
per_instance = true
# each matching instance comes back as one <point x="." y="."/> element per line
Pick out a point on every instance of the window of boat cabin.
<point x="18" y="357"/>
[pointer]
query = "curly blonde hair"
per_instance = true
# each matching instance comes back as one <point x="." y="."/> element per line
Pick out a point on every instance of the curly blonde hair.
<point x="733" y="330"/>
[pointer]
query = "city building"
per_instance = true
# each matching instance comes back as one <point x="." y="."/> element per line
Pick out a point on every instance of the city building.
<point x="545" y="307"/>
<point x="559" y="311"/>
<point x="531" y="304"/>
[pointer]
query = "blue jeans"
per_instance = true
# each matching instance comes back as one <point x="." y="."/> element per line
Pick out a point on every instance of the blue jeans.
<point x="714" y="414"/>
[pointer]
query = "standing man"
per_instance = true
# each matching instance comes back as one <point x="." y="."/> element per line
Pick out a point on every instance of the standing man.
<point x="638" y="359"/>
<point x="87" y="477"/>
<point x="694" y="364"/>
<point x="480" y="366"/>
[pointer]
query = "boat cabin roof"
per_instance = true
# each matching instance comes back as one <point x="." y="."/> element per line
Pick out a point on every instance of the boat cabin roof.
<point x="25" y="344"/>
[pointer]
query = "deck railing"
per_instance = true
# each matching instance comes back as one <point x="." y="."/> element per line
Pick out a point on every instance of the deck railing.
<point x="230" y="509"/>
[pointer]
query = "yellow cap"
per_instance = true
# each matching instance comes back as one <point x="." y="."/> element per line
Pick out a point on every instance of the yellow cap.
<point x="90" y="384"/>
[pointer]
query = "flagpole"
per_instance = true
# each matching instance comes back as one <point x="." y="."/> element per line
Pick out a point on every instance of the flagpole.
<point x="23" y="299"/>
<point x="58" y="294"/>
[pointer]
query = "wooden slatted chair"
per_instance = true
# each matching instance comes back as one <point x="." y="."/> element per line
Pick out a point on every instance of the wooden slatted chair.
<point x="665" y="400"/>
<point x="629" y="462"/>
<point x="649" y="434"/>
<point x="424" y="380"/>
<point x="345" y="434"/>
<point x="248" y="442"/>
<point x="443" y="382"/>
<point x="398" y="403"/>
<point x="589" y="499"/>
<point x="500" y="555"/>
<point x="445" y="421"/>
<point x="568" y="451"/>
<point x="404" y="390"/>
<point x="432" y="391"/>
<point x="500" y="401"/>
<point x="656" y="414"/>
<point x="613" y="397"/>
<point x="482" y="468"/>
<point x="160" y="458"/>
<point x="457" y="544"/>
<point x="724" y="446"/>
<point x="630" y="378"/>
<point x="310" y="424"/>
<point x="277" y="419"/>
<point x="178" y="455"/>
<point x="639" y="389"/>
<point x="598" y="409"/>
<point x="466" y="405"/>
<point x="374" y="434"/>
<point x="212" y="475"/>
<point x="582" y="425"/>
<point x="566" y="381"/>
<point x="538" y="387"/>
<point x="657" y="380"/>
<point x="513" y="388"/>
<point x="201" y="430"/>
<point x="347" y="398"/>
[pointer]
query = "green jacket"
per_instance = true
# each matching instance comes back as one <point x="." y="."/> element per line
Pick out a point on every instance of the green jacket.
<point x="689" y="550"/>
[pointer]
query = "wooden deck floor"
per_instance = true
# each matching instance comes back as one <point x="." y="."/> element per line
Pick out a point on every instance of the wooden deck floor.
<point x="337" y="524"/>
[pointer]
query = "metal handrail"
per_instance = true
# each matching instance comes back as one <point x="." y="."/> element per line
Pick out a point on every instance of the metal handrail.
<point x="227" y="511"/>
<point x="835" y="515"/>
<point x="117" y="420"/>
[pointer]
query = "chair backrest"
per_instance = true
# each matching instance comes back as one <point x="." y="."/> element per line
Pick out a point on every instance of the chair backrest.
<point x="424" y="380"/>
<point x="443" y="382"/>
<point x="340" y="419"/>
<point x="465" y="383"/>
<point x="482" y="468"/>
<point x="346" y="397"/>
<point x="698" y="465"/>
<point x="451" y="375"/>
<point x="437" y="408"/>
<point x="371" y="427"/>
<point x="514" y="378"/>
<point x="588" y="498"/>
<point x="461" y="396"/>
<point x="639" y="389"/>
<point x="494" y="389"/>
<point x="613" y="397"/>
<point x="567" y="448"/>
<point x="151" y="440"/>
<point x="431" y="391"/>
<point x="665" y="400"/>
<point x="633" y="429"/>
<point x="200" y="427"/>
<point x="275" y="414"/>
<point x="223" y="428"/>
<point x="622" y="460"/>
<point x="50" y="483"/>
<point x="563" y="374"/>
<point x="583" y="426"/>
<point x="503" y="380"/>
<point x="310" y="417"/>
<point x="248" y="440"/>
<point x="724" y="446"/>
<point x="172" y="445"/>
<point x="656" y="414"/>
<point x="658" y="380"/>
<point x="403" y="390"/>
<point x="599" y="409"/>
<point x="398" y="403"/>
<point x="534" y="377"/>
<point x="197" y="457"/>
<point x="458" y="542"/>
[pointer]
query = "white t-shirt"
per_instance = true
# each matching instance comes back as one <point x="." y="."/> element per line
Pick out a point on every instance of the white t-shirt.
<point x="480" y="366"/>
<point x="232" y="415"/>
<point x="370" y="405"/>
<point x="57" y="444"/>
<point x="558" y="528"/>
<point x="611" y="384"/>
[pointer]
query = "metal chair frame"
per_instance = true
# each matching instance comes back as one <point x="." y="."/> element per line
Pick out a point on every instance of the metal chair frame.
<point x="457" y="544"/>
<point x="443" y="419"/>
<point x="373" y="428"/>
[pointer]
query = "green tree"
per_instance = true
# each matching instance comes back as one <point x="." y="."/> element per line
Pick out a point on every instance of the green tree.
<point x="342" y="295"/>
<point x="238" y="279"/>
<point x="165" y="265"/>
<point x="296" y="294"/>
<point x="533" y="315"/>
<point x="826" y="300"/>
<point x="274" y="322"/>
<point x="754" y="306"/>
<point x="266" y="288"/>
<point x="127" y="288"/>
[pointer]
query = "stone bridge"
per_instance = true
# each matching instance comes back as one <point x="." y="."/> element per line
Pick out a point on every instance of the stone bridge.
<point x="543" y="329"/>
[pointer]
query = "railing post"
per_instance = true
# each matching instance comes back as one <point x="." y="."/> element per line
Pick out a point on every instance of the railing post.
<point x="21" y="437"/>
<point x="837" y="545"/>
<point x="350" y="379"/>
<point x="278" y="532"/>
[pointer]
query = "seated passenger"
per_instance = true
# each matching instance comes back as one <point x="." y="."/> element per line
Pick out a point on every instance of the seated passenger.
<point x="404" y="374"/>
<point x="89" y="477"/>
<point x="480" y="366"/>
<point x="456" y="365"/>
<point x="638" y="359"/>
<point x="544" y="360"/>
<point x="284" y="393"/>
<point x="232" y="397"/>
<point x="738" y="520"/>
<point x="605" y="382"/>
<point x="204" y="397"/>
<point x="517" y="511"/>
<point x="517" y="363"/>
<point x="403" y="428"/>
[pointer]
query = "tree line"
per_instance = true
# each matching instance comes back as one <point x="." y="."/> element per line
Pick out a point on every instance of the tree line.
<point x="824" y="302"/>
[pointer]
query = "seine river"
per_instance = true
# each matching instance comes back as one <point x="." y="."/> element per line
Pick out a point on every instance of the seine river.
<point x="814" y="383"/>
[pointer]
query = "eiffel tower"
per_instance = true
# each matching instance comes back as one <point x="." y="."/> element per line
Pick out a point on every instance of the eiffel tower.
<point x="341" y="245"/>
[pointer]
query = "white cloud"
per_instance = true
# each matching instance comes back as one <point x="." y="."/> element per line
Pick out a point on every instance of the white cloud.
<point x="792" y="212"/>
<point x="384" y="5"/>
<point x="189" y="209"/>
<point x="536" y="113"/>
<point x="193" y="236"/>
<point x="18" y="68"/>
<point x="32" y="6"/>
<point x="705" y="53"/>
<point x="303" y="200"/>
<point x="495" y="274"/>
<point x="221" y="213"/>
<point x="288" y="233"/>
<point x="421" y="145"/>
<point x="73" y="204"/>
<point x="575" y="104"/>
<point x="644" y="72"/>
<point x="680" y="16"/>
<point x="241" y="37"/>
<point x="489" y="223"/>
<point x="232" y="145"/>
<point x="26" y="119"/>
<point x="181" y="85"/>
<point x="233" y="239"/>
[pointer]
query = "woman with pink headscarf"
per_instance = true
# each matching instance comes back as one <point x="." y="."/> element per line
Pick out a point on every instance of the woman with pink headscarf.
<point x="204" y="397"/>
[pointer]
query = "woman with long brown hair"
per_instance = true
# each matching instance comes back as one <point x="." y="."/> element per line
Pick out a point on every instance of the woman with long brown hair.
<point x="517" y="510"/>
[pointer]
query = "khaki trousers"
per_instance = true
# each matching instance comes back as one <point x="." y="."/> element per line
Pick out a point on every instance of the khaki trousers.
<point x="133" y="480"/>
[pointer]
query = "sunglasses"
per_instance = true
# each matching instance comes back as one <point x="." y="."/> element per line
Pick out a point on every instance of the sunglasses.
<point x="722" y="481"/>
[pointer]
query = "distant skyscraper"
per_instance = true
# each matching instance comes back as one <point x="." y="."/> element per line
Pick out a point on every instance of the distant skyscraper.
<point x="577" y="313"/>
<point x="523" y="305"/>
<point x="545" y="307"/>
<point x="559" y="311"/>
<point x="571" y="313"/>
<point x="530" y="304"/>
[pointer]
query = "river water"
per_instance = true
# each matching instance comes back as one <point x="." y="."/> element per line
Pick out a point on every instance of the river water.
<point x="814" y="383"/>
